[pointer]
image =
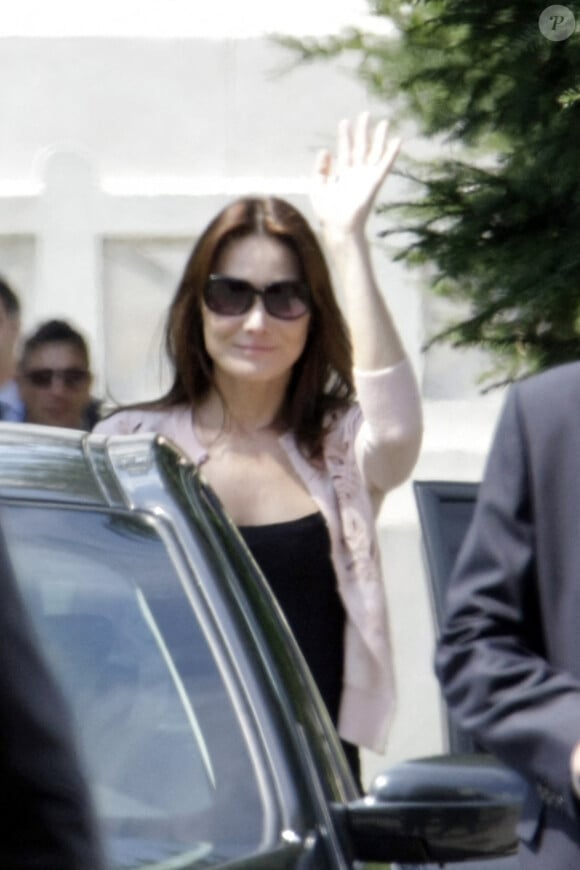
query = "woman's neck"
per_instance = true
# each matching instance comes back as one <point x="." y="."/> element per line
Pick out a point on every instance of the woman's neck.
<point x="243" y="408"/>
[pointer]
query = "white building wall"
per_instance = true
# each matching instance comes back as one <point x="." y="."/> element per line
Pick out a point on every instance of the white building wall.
<point x="115" y="154"/>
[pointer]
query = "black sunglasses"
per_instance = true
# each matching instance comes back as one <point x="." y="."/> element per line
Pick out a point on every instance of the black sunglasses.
<point x="286" y="300"/>
<point x="71" y="378"/>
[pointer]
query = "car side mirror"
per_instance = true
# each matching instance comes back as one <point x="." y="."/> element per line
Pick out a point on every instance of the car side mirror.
<point x="439" y="809"/>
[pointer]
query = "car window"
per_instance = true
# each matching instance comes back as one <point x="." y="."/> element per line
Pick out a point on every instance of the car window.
<point x="161" y="728"/>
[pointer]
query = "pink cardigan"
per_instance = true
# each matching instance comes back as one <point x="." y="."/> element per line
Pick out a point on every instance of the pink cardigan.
<point x="370" y="449"/>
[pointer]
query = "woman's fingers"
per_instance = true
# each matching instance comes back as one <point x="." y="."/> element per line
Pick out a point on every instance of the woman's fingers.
<point x="379" y="142"/>
<point x="343" y="146"/>
<point x="361" y="139"/>
<point x="392" y="147"/>
<point x="345" y="184"/>
<point x="323" y="164"/>
<point x="361" y="144"/>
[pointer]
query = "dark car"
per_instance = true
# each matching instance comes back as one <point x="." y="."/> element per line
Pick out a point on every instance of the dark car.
<point x="204" y="739"/>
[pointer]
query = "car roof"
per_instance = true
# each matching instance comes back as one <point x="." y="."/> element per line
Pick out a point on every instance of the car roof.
<point x="72" y="466"/>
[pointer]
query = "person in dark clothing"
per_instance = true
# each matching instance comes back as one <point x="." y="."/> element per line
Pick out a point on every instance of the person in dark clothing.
<point x="509" y="658"/>
<point x="54" y="377"/>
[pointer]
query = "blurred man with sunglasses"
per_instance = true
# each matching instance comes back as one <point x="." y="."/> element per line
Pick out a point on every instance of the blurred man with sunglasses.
<point x="55" y="379"/>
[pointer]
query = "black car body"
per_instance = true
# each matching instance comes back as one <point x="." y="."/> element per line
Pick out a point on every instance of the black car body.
<point x="204" y="739"/>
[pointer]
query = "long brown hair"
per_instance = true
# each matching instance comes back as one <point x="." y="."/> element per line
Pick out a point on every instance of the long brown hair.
<point x="322" y="378"/>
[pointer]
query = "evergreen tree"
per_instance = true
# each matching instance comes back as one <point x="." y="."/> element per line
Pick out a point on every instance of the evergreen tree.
<point x="500" y="226"/>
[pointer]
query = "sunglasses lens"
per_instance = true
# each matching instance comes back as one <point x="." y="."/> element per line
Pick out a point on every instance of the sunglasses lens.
<point x="74" y="378"/>
<point x="39" y="377"/>
<point x="287" y="300"/>
<point x="228" y="296"/>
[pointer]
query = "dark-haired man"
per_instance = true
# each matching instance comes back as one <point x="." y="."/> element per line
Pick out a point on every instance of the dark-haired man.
<point x="54" y="377"/>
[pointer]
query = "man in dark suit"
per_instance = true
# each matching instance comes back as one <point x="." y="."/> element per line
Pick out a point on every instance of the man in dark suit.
<point x="509" y="656"/>
<point x="45" y="815"/>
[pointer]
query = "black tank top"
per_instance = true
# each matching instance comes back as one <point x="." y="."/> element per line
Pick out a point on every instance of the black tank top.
<point x="295" y="559"/>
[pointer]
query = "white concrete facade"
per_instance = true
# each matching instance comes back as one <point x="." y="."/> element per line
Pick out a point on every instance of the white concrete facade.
<point x="115" y="154"/>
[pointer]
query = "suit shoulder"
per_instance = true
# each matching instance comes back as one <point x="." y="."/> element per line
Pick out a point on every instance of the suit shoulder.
<point x="544" y="402"/>
<point x="558" y="382"/>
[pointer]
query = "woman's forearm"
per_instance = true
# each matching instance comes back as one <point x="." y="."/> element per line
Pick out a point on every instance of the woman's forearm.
<point x="375" y="338"/>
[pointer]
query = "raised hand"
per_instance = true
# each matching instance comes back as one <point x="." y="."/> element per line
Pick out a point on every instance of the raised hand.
<point x="345" y="185"/>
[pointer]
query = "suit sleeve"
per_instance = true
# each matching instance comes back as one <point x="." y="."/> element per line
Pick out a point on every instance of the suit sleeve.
<point x="46" y="820"/>
<point x="490" y="659"/>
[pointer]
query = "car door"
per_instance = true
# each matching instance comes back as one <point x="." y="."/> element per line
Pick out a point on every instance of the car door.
<point x="186" y="754"/>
